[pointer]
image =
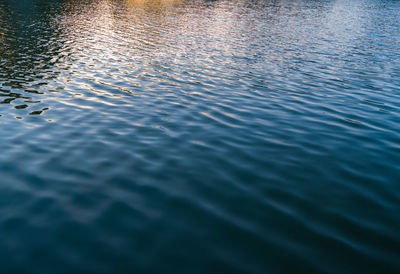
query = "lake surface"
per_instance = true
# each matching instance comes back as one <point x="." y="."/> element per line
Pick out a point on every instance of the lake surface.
<point x="162" y="136"/>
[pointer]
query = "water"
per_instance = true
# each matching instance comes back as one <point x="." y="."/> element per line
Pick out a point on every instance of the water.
<point x="167" y="136"/>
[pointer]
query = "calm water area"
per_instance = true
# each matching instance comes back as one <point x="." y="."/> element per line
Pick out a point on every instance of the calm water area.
<point x="192" y="136"/>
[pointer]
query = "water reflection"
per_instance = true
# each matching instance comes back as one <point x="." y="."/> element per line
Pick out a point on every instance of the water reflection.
<point x="29" y="51"/>
<point x="258" y="132"/>
<point x="118" y="47"/>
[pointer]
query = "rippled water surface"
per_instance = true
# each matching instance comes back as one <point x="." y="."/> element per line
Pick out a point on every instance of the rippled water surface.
<point x="168" y="136"/>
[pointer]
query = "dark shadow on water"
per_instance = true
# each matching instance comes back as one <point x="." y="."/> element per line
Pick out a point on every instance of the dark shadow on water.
<point x="29" y="50"/>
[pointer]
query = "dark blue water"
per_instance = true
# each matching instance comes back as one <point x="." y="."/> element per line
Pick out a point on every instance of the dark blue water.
<point x="161" y="136"/>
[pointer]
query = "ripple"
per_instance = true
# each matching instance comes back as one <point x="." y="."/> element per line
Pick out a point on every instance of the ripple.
<point x="194" y="136"/>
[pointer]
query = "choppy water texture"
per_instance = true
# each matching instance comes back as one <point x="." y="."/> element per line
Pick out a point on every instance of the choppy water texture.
<point x="200" y="136"/>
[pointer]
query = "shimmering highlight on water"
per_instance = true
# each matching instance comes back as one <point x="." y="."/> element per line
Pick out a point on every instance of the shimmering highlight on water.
<point x="198" y="136"/>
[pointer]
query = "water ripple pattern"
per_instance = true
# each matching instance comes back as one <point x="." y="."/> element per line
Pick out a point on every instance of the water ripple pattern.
<point x="191" y="136"/>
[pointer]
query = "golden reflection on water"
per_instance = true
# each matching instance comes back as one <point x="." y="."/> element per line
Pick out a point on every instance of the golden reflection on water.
<point x="141" y="41"/>
<point x="122" y="47"/>
<point x="151" y="3"/>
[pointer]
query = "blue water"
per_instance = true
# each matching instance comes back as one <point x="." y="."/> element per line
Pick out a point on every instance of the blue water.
<point x="168" y="136"/>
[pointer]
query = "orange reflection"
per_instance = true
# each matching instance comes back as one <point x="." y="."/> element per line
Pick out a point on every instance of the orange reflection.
<point x="151" y="3"/>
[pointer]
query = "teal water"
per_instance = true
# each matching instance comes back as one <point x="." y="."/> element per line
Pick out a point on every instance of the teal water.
<point x="155" y="136"/>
